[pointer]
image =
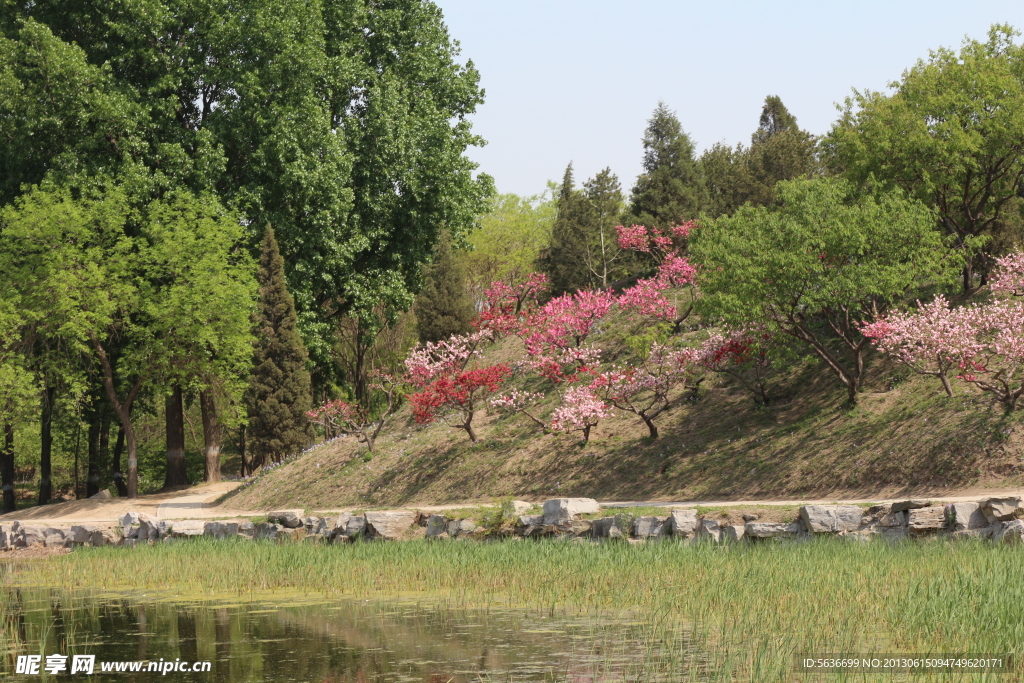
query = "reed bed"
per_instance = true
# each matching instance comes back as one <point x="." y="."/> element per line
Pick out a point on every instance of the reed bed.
<point x="731" y="613"/>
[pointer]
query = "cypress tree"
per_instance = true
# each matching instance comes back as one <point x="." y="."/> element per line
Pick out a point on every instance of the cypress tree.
<point x="779" y="150"/>
<point x="279" y="392"/>
<point x="443" y="306"/>
<point x="669" y="189"/>
<point x="565" y="259"/>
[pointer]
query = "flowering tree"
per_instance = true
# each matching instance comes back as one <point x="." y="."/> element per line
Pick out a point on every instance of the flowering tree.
<point x="1009" y="275"/>
<point x="341" y="417"/>
<point x="506" y="306"/>
<point x="647" y="296"/>
<point x="644" y="390"/>
<point x="581" y="410"/>
<point x="447" y="390"/>
<point x="930" y="341"/>
<point x="743" y="354"/>
<point x="521" y="402"/>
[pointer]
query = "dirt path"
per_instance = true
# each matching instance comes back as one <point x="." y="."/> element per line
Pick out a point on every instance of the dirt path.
<point x="193" y="503"/>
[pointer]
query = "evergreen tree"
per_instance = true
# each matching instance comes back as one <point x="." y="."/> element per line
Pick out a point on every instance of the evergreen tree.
<point x="443" y="307"/>
<point x="565" y="260"/>
<point x="604" y="199"/>
<point x="779" y="150"/>
<point x="725" y="178"/>
<point x="279" y="393"/>
<point x="669" y="189"/>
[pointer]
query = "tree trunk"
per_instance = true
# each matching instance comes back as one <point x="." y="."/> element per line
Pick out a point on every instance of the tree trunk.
<point x="241" y="452"/>
<point x="211" y="434"/>
<point x="586" y="434"/>
<point x="46" y="446"/>
<point x="92" y="480"/>
<point x="468" y="426"/>
<point x="122" y="490"/>
<point x="133" y="458"/>
<point x="650" y="426"/>
<point x="175" y="426"/>
<point x="7" y="468"/>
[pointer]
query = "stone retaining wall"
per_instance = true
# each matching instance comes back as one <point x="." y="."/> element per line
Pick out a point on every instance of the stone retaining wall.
<point x="998" y="519"/>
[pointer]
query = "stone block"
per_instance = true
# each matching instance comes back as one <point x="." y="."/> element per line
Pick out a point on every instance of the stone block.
<point x="830" y="519"/>
<point x="6" y="536"/>
<point x="531" y="520"/>
<point x="267" y="531"/>
<point x="30" y="535"/>
<point x="81" y="534"/>
<point x="101" y="495"/>
<point x="437" y="526"/>
<point x="709" y="530"/>
<point x="55" y="537"/>
<point x="927" y="519"/>
<point x="650" y="527"/>
<point x="1000" y="509"/>
<point x="390" y="524"/>
<point x="289" y="519"/>
<point x="893" y="519"/>
<point x="356" y="526"/>
<point x="460" y="528"/>
<point x="187" y="528"/>
<point x="130" y="518"/>
<point x="338" y="526"/>
<point x="610" y="527"/>
<point x="221" y="530"/>
<point x="1011" y="532"/>
<point x="733" y="533"/>
<point x="246" y="530"/>
<point x="683" y="522"/>
<point x="965" y="516"/>
<point x="772" y="529"/>
<point x="564" y="510"/>
<point x="150" y="529"/>
<point x="905" y="505"/>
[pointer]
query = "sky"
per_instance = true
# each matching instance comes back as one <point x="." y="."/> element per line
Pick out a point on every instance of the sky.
<point x="577" y="80"/>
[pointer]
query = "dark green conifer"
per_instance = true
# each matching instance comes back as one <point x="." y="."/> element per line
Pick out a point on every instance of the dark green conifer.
<point x="443" y="307"/>
<point x="565" y="259"/>
<point x="669" y="190"/>
<point x="279" y="392"/>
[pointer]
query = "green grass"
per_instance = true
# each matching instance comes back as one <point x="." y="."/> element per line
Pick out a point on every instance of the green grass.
<point x="747" y="608"/>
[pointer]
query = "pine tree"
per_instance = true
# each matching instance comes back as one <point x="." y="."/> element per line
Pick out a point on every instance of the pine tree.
<point x="565" y="260"/>
<point x="603" y="195"/>
<point x="669" y="189"/>
<point x="279" y="393"/>
<point x="779" y="150"/>
<point x="443" y="307"/>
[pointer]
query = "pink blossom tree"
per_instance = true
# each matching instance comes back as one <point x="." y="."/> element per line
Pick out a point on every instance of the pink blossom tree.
<point x="506" y="306"/>
<point x="648" y="296"/>
<point x="581" y="411"/>
<point x="646" y="389"/>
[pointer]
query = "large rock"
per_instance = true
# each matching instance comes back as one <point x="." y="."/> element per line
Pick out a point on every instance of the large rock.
<point x="82" y="534"/>
<point x="965" y="516"/>
<point x="683" y="522"/>
<point x="733" y="533"/>
<point x="289" y="519"/>
<point x="437" y="526"/>
<point x="460" y="528"/>
<point x="267" y="531"/>
<point x="246" y="530"/>
<point x="830" y="519"/>
<point x="356" y="526"/>
<point x="610" y="527"/>
<point x="390" y="524"/>
<point x="565" y="510"/>
<point x="709" y="530"/>
<point x="150" y="529"/>
<point x="892" y="520"/>
<point x="187" y="528"/>
<point x="927" y="520"/>
<point x="772" y="529"/>
<point x="93" y="534"/>
<point x="336" y="530"/>
<point x="55" y="537"/>
<point x="221" y="530"/>
<point x="650" y="527"/>
<point x="1009" y="532"/>
<point x="129" y="519"/>
<point x="101" y="495"/>
<point x="30" y="535"/>
<point x="904" y="505"/>
<point x="531" y="520"/>
<point x="6" y="536"/>
<point x="1000" y="509"/>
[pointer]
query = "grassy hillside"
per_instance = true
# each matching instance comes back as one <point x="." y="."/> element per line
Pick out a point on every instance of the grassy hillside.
<point x="904" y="436"/>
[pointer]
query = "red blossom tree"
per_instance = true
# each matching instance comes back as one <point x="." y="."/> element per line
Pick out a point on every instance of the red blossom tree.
<point x="743" y="355"/>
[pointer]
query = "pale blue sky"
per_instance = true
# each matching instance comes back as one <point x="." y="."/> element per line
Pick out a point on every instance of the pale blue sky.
<point x="578" y="79"/>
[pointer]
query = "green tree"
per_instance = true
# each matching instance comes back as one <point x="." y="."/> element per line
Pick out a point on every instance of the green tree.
<point x="279" y="394"/>
<point x="725" y="177"/>
<point x="779" y="150"/>
<point x="669" y="189"/>
<point x="604" y="204"/>
<point x="509" y="241"/>
<point x="565" y="259"/>
<point x="950" y="135"/>
<point x="443" y="307"/>
<point x="817" y="265"/>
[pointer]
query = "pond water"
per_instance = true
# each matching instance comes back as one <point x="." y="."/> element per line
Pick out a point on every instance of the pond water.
<point x="299" y="638"/>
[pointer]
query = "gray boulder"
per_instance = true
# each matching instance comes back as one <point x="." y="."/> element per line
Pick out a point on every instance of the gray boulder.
<point x="772" y="529"/>
<point x="965" y="517"/>
<point x="101" y="495"/>
<point x="267" y="531"/>
<point x="246" y="530"/>
<point x="1000" y="509"/>
<point x="564" y="510"/>
<point x="30" y="535"/>
<point x="893" y="520"/>
<point x="390" y="524"/>
<point x="830" y="519"/>
<point x="683" y="522"/>
<point x="356" y="526"/>
<point x="904" y="505"/>
<point x="733" y="533"/>
<point x="221" y="530"/>
<point x="1009" y="532"/>
<point x="610" y="527"/>
<point x="55" y="537"/>
<point x="289" y="519"/>
<point x="709" y="530"/>
<point x="460" y="528"/>
<point x="650" y="527"/>
<point x="437" y="526"/>
<point x="6" y="536"/>
<point x="927" y="520"/>
<point x="337" y="527"/>
<point x="187" y="528"/>
<point x="531" y="520"/>
<point x="150" y="529"/>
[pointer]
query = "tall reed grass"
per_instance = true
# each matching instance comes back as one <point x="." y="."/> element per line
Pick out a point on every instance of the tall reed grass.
<point x="743" y="611"/>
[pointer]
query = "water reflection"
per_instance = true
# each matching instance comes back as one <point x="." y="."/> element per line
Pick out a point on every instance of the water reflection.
<point x="296" y="638"/>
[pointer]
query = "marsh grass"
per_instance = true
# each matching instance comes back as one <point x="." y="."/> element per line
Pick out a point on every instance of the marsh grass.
<point x="743" y="610"/>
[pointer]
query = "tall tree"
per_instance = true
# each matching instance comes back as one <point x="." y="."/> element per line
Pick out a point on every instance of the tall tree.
<point x="817" y="266"/>
<point x="949" y="135"/>
<point x="279" y="394"/>
<point x="443" y="307"/>
<point x="668" y="191"/>
<point x="779" y="150"/>
<point x="604" y="201"/>
<point x="564" y="260"/>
